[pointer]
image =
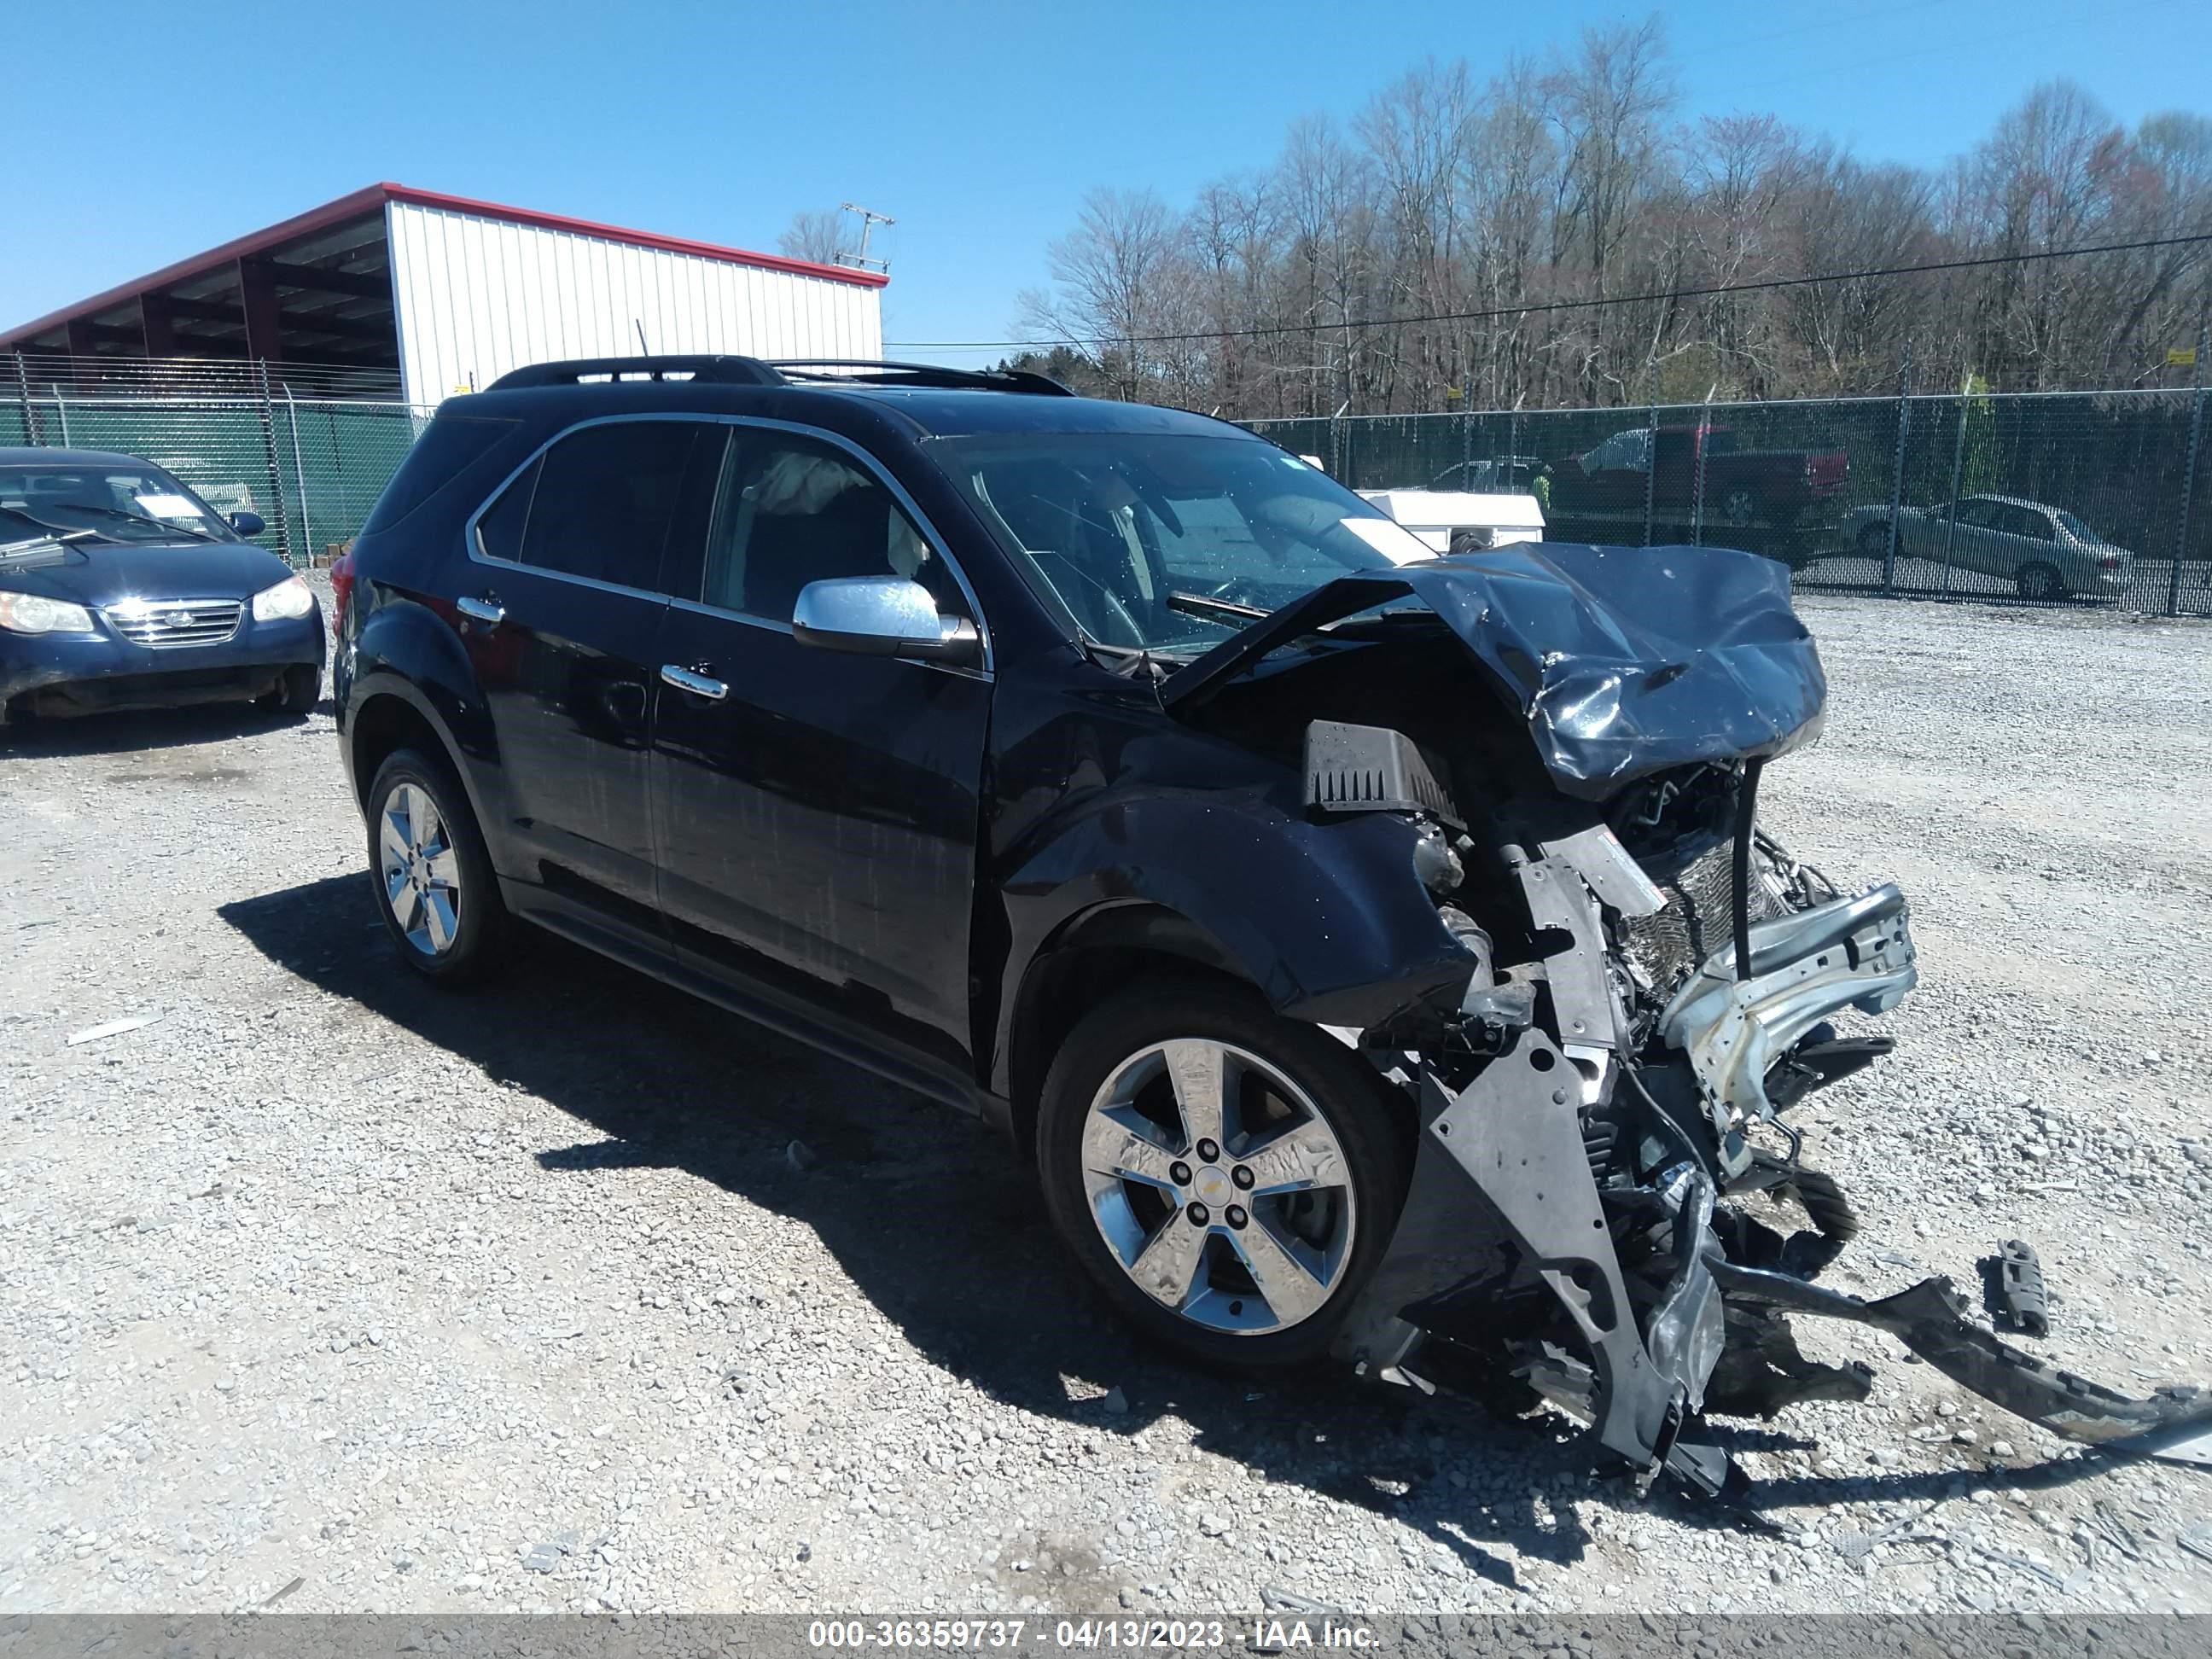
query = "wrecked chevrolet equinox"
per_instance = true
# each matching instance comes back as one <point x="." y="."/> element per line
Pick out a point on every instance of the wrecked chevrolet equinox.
<point x="1379" y="955"/>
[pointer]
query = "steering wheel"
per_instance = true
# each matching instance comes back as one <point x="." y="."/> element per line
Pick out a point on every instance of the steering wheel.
<point x="1115" y="608"/>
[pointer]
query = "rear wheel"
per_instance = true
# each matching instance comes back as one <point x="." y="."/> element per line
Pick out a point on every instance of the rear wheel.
<point x="2040" y="582"/>
<point x="1229" y="1177"/>
<point x="1739" y="509"/>
<point x="434" y="880"/>
<point x="1873" y="541"/>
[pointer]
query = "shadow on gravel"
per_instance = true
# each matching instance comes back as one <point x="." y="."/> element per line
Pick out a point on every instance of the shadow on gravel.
<point x="933" y="1219"/>
<point x="166" y="728"/>
<point x="928" y="1213"/>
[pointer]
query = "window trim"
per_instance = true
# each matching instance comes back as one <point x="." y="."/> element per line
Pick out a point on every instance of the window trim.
<point x="473" y="542"/>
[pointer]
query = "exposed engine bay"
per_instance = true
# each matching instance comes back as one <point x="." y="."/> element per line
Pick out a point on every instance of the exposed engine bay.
<point x="1603" y="1106"/>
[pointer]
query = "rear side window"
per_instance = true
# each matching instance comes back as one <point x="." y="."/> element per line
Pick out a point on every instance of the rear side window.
<point x="605" y="499"/>
<point x="448" y="446"/>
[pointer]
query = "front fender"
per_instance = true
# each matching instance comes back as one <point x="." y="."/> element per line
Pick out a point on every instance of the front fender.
<point x="1326" y="919"/>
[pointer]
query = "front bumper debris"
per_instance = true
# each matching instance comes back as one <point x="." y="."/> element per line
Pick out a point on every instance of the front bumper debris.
<point x="1849" y="953"/>
<point x="1930" y="1319"/>
<point x="1697" y="1319"/>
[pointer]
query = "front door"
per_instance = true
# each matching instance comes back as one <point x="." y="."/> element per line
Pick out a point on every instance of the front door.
<point x="562" y="621"/>
<point x="818" y="810"/>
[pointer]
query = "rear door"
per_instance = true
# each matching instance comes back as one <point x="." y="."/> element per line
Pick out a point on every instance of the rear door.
<point x="818" y="810"/>
<point x="1975" y="542"/>
<point x="561" y="617"/>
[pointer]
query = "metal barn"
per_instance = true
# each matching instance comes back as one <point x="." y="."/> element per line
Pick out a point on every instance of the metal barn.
<point x="443" y="294"/>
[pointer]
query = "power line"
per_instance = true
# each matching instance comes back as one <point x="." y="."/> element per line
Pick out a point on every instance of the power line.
<point x="1717" y="288"/>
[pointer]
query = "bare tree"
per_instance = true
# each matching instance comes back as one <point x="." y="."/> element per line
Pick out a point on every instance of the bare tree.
<point x="1553" y="236"/>
<point x="818" y="236"/>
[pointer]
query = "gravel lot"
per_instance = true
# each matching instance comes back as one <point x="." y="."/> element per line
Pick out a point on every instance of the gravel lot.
<point x="329" y="1287"/>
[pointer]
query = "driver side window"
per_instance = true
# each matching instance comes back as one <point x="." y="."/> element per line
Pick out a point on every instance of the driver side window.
<point x="795" y="510"/>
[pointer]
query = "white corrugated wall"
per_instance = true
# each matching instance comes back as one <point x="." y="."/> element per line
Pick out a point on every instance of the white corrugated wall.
<point x="476" y="296"/>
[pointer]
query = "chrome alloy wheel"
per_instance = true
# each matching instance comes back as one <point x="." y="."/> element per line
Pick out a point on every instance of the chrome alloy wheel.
<point x="422" y="876"/>
<point x="1219" y="1186"/>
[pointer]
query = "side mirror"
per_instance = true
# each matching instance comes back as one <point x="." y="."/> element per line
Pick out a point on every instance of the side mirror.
<point x="248" y="524"/>
<point x="881" y="616"/>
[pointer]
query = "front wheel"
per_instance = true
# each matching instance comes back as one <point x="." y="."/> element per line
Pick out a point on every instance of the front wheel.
<point x="297" y="692"/>
<point x="1873" y="540"/>
<point x="434" y="880"/>
<point x="1229" y="1177"/>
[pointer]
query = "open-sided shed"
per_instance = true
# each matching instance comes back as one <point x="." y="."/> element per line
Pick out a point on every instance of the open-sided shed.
<point x="444" y="293"/>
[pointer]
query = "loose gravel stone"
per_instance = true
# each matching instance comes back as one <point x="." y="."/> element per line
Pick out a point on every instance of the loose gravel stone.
<point x="327" y="1274"/>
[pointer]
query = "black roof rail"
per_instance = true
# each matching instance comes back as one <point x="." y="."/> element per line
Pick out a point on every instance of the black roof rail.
<point x="712" y="370"/>
<point x="867" y="372"/>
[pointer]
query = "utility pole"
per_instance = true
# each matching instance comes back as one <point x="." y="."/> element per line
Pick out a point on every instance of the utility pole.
<point x="869" y="219"/>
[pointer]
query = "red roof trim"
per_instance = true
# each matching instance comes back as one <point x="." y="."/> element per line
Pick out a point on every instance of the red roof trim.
<point x="358" y="205"/>
<point x="361" y="204"/>
<point x="638" y="238"/>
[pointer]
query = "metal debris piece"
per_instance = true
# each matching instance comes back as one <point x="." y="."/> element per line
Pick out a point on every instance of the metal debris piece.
<point x="111" y="1027"/>
<point x="1282" y="1601"/>
<point x="2016" y="1293"/>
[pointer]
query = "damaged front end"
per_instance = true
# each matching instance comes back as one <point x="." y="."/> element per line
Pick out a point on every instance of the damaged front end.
<point x="1611" y="1126"/>
<point x="1658" y="986"/>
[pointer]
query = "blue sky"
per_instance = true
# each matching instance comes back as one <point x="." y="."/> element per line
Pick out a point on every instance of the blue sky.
<point x="978" y="125"/>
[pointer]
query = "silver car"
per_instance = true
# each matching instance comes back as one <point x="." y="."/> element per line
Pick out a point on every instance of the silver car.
<point x="2047" y="552"/>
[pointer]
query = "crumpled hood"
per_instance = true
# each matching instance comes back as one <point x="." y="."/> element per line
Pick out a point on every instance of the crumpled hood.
<point x="103" y="572"/>
<point x="1623" y="661"/>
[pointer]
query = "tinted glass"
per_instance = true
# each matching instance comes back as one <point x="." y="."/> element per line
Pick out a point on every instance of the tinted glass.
<point x="1154" y="541"/>
<point x="449" y="447"/>
<point x="606" y="498"/>
<point x="795" y="510"/>
<point x="499" y="532"/>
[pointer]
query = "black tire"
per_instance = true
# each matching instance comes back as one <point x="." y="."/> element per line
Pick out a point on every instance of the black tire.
<point x="1739" y="509"/>
<point x="297" y="692"/>
<point x="2040" y="582"/>
<point x="1873" y="540"/>
<point x="1372" y="1131"/>
<point x="481" y="921"/>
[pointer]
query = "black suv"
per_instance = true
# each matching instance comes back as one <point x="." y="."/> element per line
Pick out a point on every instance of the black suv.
<point x="1370" y="948"/>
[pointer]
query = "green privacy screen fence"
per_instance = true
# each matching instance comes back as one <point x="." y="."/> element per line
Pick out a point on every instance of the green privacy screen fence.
<point x="311" y="468"/>
<point x="2054" y="498"/>
<point x="1977" y="496"/>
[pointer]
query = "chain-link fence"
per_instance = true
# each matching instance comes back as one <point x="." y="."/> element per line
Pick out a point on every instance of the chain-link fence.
<point x="312" y="468"/>
<point x="2055" y="498"/>
<point x="2049" y="497"/>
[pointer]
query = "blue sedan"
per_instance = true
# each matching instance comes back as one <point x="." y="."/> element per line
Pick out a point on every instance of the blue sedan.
<point x="120" y="588"/>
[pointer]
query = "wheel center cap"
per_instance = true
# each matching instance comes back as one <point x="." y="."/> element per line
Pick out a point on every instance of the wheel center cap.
<point x="1212" y="1186"/>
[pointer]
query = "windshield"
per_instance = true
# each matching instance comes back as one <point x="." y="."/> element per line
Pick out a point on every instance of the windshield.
<point x="1164" y="543"/>
<point x="117" y="501"/>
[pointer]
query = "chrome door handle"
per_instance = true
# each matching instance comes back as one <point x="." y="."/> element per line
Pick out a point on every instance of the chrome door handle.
<point x="483" y="610"/>
<point x="684" y="680"/>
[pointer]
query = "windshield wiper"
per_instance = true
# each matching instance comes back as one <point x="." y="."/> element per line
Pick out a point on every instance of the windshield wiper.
<point x="12" y="550"/>
<point x="1396" y="617"/>
<point x="1200" y="604"/>
<point x="137" y="517"/>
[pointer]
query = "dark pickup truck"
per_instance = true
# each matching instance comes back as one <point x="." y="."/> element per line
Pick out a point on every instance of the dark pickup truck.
<point x="1773" y="489"/>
